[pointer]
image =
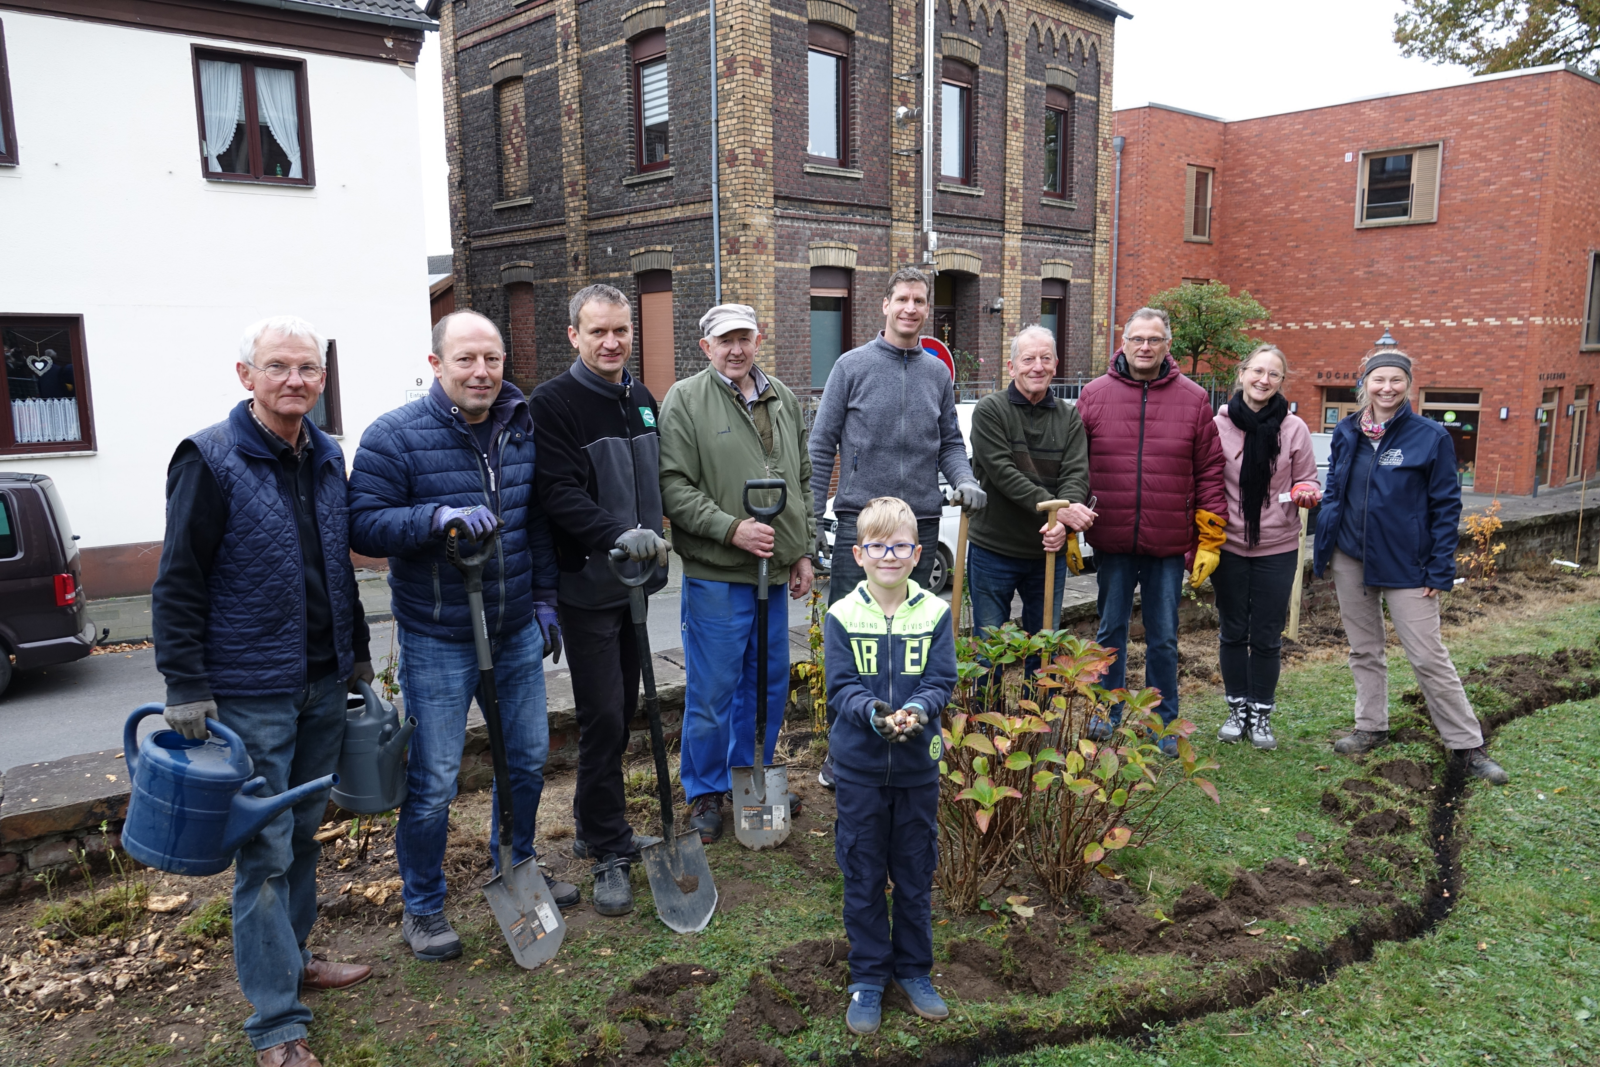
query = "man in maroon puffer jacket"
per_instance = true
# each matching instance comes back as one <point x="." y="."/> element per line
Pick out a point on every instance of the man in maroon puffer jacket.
<point x="1155" y="465"/>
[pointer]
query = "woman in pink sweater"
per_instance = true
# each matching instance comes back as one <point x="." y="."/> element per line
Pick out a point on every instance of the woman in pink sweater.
<point x="1269" y="474"/>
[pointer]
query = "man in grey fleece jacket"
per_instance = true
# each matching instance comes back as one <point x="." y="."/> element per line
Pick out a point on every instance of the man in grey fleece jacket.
<point x="889" y="411"/>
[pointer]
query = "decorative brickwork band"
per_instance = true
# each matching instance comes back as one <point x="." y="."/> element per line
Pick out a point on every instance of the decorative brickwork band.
<point x="1061" y="78"/>
<point x="833" y="13"/>
<point x="1056" y="268"/>
<point x="652" y="16"/>
<point x="963" y="48"/>
<point x="833" y="254"/>
<point x="653" y="258"/>
<point x="521" y="271"/>
<point x="505" y="67"/>
<point x="958" y="259"/>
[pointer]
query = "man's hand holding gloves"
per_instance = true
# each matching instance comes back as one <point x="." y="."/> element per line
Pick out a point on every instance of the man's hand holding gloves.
<point x="1213" y="535"/>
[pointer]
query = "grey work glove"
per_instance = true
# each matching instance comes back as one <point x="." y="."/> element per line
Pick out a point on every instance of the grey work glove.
<point x="363" y="672"/>
<point x="641" y="544"/>
<point x="969" y="496"/>
<point x="915" y="720"/>
<point x="823" y="551"/>
<point x="881" y="722"/>
<point x="190" y="719"/>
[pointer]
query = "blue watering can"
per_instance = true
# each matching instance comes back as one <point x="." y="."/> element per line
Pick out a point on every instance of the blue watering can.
<point x="193" y="803"/>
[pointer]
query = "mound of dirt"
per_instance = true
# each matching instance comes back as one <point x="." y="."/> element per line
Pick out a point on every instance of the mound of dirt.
<point x="975" y="971"/>
<point x="1387" y="821"/>
<point x="814" y="973"/>
<point x="1038" y="964"/>
<point x="1406" y="774"/>
<point x="654" y="1014"/>
<point x="1535" y="682"/>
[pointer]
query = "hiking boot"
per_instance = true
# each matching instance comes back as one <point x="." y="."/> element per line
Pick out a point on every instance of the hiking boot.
<point x="613" y="895"/>
<point x="580" y="847"/>
<point x="1360" y="741"/>
<point x="1238" y="723"/>
<point x="925" y="1000"/>
<point x="865" y="1010"/>
<point x="565" y="893"/>
<point x="1261" y="727"/>
<point x="705" y="815"/>
<point x="1479" y="765"/>
<point x="430" y="937"/>
<point x="825" y="775"/>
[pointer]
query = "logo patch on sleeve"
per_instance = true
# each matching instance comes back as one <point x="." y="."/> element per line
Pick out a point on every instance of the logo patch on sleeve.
<point x="648" y="416"/>
<point x="936" y="747"/>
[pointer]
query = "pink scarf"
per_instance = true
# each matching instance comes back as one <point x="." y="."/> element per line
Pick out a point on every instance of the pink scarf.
<point x="1372" y="429"/>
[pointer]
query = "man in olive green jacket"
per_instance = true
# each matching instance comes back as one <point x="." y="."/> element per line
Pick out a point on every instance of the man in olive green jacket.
<point x="729" y="424"/>
<point x="1027" y="447"/>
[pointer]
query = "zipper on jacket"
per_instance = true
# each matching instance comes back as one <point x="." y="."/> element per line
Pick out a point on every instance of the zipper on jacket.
<point x="1138" y="466"/>
<point x="888" y="626"/>
<point x="1366" y="509"/>
<point x="486" y="483"/>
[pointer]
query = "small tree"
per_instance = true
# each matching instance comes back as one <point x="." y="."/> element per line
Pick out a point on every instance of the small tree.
<point x="1208" y="327"/>
<point x="1495" y="35"/>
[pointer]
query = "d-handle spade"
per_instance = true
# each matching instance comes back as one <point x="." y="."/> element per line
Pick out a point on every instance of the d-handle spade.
<point x="680" y="877"/>
<point x="761" y="798"/>
<point x="518" y="896"/>
<point x="1050" y="507"/>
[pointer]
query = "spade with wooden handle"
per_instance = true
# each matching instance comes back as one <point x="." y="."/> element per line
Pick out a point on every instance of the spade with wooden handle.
<point x="1051" y="507"/>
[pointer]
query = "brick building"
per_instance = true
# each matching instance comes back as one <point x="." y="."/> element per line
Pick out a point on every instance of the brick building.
<point x="580" y="151"/>
<point x="1464" y="220"/>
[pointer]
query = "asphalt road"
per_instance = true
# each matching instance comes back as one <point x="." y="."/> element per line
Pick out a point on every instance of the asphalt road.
<point x="81" y="707"/>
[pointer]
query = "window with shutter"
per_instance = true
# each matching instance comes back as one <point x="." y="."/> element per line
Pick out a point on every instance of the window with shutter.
<point x="1198" y="183"/>
<point x="1397" y="186"/>
<point x="650" y="94"/>
<point x="657" y="357"/>
<point x="830" y="320"/>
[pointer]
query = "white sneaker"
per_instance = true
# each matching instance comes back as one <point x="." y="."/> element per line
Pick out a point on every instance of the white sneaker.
<point x="1261" y="727"/>
<point x="1238" y="721"/>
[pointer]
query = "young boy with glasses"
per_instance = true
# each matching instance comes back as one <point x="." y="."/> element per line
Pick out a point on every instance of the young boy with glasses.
<point x="891" y="666"/>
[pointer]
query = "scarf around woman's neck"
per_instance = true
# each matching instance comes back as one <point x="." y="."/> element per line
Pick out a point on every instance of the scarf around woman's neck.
<point x="1260" y="455"/>
<point x="1371" y="426"/>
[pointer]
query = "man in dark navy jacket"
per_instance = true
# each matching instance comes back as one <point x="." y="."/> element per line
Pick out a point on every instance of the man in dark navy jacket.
<point x="258" y="625"/>
<point x="464" y="451"/>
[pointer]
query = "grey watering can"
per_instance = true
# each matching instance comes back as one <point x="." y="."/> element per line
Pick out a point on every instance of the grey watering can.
<point x="372" y="769"/>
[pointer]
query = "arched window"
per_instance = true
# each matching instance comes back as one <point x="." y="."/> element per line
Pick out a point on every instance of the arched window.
<point x="955" y="122"/>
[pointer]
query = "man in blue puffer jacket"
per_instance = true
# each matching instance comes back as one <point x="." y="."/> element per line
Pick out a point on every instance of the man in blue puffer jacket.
<point x="464" y="451"/>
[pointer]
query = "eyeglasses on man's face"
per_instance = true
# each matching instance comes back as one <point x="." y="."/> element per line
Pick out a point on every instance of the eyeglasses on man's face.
<point x="879" y="550"/>
<point x="309" y="373"/>
<point x="1144" y="342"/>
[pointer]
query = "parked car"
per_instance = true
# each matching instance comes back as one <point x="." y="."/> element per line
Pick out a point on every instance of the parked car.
<point x="949" y="520"/>
<point x="43" y="619"/>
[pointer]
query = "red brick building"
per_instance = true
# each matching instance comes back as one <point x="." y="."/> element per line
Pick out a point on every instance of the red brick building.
<point x="1464" y="220"/>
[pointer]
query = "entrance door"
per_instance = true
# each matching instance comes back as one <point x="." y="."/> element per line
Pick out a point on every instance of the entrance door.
<point x="830" y="320"/>
<point x="1547" y="428"/>
<point x="1580" y="430"/>
<point x="1053" y="317"/>
<point x="1336" y="404"/>
<point x="657" y="352"/>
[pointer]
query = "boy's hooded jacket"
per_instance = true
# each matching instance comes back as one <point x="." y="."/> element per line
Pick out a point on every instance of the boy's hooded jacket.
<point x="907" y="658"/>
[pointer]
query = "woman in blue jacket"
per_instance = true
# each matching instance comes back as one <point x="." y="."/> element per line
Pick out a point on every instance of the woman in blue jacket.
<point x="1388" y="527"/>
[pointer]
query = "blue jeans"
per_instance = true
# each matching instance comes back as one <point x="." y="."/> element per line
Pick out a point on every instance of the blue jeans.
<point x="291" y="739"/>
<point x="1160" y="583"/>
<point x="993" y="579"/>
<point x="439" y="679"/>
<point x="719" y="699"/>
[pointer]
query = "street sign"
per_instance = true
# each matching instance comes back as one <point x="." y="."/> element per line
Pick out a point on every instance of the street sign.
<point x="937" y="348"/>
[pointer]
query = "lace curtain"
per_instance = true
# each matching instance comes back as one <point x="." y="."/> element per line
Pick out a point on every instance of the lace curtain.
<point x="279" y="110"/>
<point x="222" y="100"/>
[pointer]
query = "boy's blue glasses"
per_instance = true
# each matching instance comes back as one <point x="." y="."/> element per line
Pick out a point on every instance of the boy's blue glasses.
<point x="878" y="550"/>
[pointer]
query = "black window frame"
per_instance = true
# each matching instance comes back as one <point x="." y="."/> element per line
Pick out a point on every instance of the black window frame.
<point x="8" y="154"/>
<point x="831" y="41"/>
<point x="648" y="48"/>
<point x="952" y="72"/>
<point x="1591" y="306"/>
<point x="248" y="61"/>
<point x="81" y="391"/>
<point x="1059" y="102"/>
<point x="332" y="423"/>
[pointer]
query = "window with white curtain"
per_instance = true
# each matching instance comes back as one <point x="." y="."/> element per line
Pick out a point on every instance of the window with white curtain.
<point x="8" y="138"/>
<point x="253" y="118"/>
<point x="44" y="395"/>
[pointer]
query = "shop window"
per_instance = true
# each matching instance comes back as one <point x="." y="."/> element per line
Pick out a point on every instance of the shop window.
<point x="1057" y="143"/>
<point x="1458" y="412"/>
<point x="1336" y="404"/>
<point x="1200" y="182"/>
<point x="657" y="352"/>
<point x="1591" y="317"/>
<point x="650" y="92"/>
<point x="1544" y="456"/>
<point x="8" y="133"/>
<point x="45" y="407"/>
<point x="1053" y="316"/>
<point x="830" y="320"/>
<point x="254" y="122"/>
<point x="827" y="93"/>
<point x="1397" y="186"/>
<point x="326" y="414"/>
<point x="955" y="123"/>
<point x="511" y="135"/>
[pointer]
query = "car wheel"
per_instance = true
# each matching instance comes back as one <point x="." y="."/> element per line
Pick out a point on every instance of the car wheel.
<point x="939" y="576"/>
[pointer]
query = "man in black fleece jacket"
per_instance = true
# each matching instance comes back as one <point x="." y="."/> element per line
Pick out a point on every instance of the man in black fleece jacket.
<point x="599" y="480"/>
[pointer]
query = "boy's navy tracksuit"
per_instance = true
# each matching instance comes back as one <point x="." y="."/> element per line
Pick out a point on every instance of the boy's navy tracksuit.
<point x="887" y="792"/>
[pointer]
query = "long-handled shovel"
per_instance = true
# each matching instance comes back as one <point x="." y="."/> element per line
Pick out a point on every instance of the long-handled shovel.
<point x="761" y="800"/>
<point x="1293" y="632"/>
<point x="1050" y="507"/>
<point x="960" y="574"/>
<point x="518" y="895"/>
<point x="680" y="877"/>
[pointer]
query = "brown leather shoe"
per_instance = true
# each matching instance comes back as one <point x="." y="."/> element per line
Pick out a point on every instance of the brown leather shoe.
<point x="322" y="973"/>
<point x="289" y="1054"/>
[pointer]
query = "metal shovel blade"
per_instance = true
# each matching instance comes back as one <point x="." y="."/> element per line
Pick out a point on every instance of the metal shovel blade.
<point x="760" y="819"/>
<point x="680" y="881"/>
<point x="527" y="913"/>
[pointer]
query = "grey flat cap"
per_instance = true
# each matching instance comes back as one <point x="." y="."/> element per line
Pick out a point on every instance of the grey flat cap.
<point x="724" y="317"/>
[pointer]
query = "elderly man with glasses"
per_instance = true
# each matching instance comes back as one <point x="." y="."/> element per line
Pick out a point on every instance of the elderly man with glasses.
<point x="463" y="452"/>
<point x="1155" y="465"/>
<point x="258" y="626"/>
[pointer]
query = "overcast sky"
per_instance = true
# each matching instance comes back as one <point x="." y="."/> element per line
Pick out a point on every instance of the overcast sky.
<point x="1227" y="58"/>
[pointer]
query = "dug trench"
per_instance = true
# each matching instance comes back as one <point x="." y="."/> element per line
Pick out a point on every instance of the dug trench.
<point x="54" y="979"/>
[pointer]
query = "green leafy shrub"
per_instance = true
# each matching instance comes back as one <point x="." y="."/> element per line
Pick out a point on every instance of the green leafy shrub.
<point x="213" y="921"/>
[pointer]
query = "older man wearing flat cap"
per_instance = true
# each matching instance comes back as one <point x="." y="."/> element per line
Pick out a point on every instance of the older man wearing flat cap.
<point x="726" y="425"/>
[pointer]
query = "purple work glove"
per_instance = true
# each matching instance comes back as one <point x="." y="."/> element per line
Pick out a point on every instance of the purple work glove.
<point x="544" y="613"/>
<point x="479" y="521"/>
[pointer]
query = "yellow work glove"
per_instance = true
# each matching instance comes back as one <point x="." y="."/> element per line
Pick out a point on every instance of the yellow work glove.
<point x="1074" y="554"/>
<point x="1213" y="535"/>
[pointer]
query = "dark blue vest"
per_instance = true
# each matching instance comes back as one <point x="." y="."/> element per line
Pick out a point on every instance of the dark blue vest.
<point x="256" y="632"/>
